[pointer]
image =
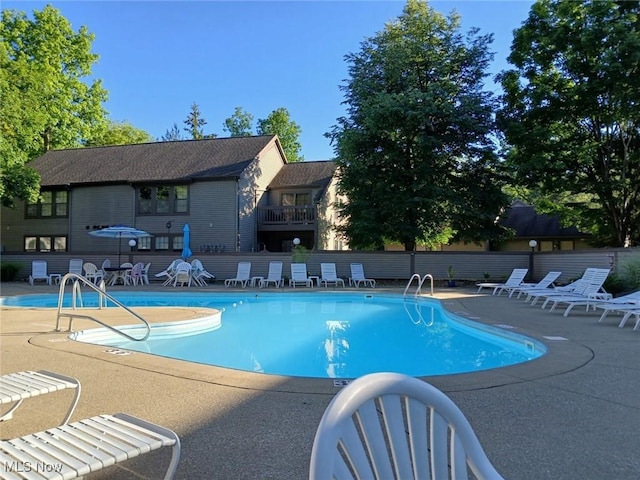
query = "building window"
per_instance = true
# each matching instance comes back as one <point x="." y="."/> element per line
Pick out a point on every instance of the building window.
<point x="163" y="200"/>
<point x="295" y="199"/>
<point x="45" y="243"/>
<point x="161" y="242"/>
<point x="54" y="203"/>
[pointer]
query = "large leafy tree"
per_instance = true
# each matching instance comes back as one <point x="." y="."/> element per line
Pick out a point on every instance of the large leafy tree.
<point x="48" y="97"/>
<point x="415" y="151"/>
<point x="279" y="123"/>
<point x="239" y="124"/>
<point x="120" y="133"/>
<point x="571" y="114"/>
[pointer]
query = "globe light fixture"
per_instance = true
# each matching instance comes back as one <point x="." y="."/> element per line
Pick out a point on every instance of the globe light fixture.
<point x="296" y="241"/>
<point x="132" y="243"/>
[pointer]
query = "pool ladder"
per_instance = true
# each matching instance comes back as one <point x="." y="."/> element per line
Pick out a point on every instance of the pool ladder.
<point x="420" y="282"/>
<point x="103" y="296"/>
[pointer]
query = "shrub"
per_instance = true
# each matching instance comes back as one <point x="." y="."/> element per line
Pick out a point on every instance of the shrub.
<point x="615" y="284"/>
<point x="8" y="271"/>
<point x="632" y="274"/>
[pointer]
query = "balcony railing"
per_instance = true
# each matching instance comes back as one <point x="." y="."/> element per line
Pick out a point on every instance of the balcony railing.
<point x="286" y="215"/>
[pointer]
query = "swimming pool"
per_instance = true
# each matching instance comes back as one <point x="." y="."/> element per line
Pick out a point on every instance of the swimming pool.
<point x="326" y="335"/>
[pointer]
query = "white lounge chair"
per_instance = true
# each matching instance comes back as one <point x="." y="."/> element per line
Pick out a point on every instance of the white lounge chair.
<point x="243" y="275"/>
<point x="588" y="296"/>
<point x="357" y="276"/>
<point x="545" y="283"/>
<point x="273" y="276"/>
<point x="16" y="387"/>
<point x="515" y="280"/>
<point x="39" y="272"/>
<point x="619" y="304"/>
<point x="329" y="275"/>
<point x="299" y="275"/>
<point x="86" y="446"/>
<point x="630" y="313"/>
<point x="389" y="425"/>
<point x="576" y="287"/>
<point x="145" y="274"/>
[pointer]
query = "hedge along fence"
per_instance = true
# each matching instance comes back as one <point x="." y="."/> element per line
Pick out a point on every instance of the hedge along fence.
<point x="398" y="266"/>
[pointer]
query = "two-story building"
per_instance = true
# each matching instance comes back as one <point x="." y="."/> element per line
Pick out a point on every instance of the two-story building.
<point x="237" y="194"/>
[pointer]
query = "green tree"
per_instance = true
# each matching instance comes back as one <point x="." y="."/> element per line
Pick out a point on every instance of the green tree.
<point x="415" y="153"/>
<point x="571" y="116"/>
<point x="195" y="122"/>
<point x="172" y="134"/>
<point x="120" y="133"/>
<point x="48" y="97"/>
<point x="279" y="123"/>
<point x="239" y="124"/>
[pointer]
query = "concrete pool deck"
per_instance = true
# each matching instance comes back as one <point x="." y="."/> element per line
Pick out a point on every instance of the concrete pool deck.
<point x="571" y="414"/>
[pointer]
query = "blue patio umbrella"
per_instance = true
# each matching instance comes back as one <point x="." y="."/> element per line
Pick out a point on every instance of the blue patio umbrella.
<point x="186" y="251"/>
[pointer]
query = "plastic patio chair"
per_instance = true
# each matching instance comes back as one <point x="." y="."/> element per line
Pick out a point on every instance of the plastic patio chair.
<point x="299" y="275"/>
<point x="243" y="275"/>
<point x="329" y="275"/>
<point x="358" y="277"/>
<point x="390" y="425"/>
<point x="39" y="272"/>
<point x="273" y="276"/>
<point x="92" y="273"/>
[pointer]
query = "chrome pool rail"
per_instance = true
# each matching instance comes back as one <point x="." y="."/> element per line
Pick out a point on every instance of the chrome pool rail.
<point x="421" y="281"/>
<point x="103" y="296"/>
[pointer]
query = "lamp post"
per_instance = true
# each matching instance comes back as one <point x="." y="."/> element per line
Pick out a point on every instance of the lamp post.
<point x="132" y="243"/>
<point x="533" y="244"/>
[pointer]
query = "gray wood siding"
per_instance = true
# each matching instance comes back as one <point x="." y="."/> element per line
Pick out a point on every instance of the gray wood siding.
<point x="15" y="227"/>
<point x="212" y="215"/>
<point x="108" y="205"/>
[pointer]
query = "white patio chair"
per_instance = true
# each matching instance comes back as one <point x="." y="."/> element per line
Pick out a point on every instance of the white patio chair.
<point x="80" y="448"/>
<point x="299" y="275"/>
<point x="75" y="266"/>
<point x="169" y="272"/>
<point x="389" y="425"/>
<point x="145" y="274"/>
<point x="200" y="274"/>
<point x="182" y="274"/>
<point x="39" y="272"/>
<point x="357" y="276"/>
<point x="135" y="275"/>
<point x="243" y="275"/>
<point x="273" y="276"/>
<point x="329" y="275"/>
<point x="92" y="273"/>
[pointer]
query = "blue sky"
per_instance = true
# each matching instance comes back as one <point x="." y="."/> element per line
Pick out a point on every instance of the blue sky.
<point x="159" y="57"/>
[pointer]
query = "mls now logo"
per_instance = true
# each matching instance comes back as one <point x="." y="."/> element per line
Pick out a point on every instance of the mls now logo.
<point x="25" y="467"/>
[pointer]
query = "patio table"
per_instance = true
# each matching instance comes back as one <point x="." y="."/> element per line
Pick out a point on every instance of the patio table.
<point x="118" y="273"/>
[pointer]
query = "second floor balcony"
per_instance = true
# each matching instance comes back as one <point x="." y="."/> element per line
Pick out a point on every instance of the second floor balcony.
<point x="287" y="216"/>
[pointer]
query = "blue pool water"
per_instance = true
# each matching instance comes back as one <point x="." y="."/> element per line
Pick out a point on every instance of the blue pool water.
<point x="328" y="335"/>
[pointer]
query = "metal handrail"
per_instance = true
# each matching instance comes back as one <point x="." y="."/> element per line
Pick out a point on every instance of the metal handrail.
<point x="103" y="296"/>
<point x="421" y="281"/>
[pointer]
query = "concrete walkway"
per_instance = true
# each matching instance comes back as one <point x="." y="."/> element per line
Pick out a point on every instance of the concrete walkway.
<point x="572" y="414"/>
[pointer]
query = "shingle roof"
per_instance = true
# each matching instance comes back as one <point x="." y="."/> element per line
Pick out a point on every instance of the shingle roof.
<point x="148" y="162"/>
<point x="317" y="174"/>
<point x="527" y="222"/>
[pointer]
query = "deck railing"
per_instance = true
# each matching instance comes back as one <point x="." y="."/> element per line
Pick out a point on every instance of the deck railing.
<point x="286" y="215"/>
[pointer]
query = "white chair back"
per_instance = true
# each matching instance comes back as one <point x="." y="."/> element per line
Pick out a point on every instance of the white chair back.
<point x="389" y="425"/>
